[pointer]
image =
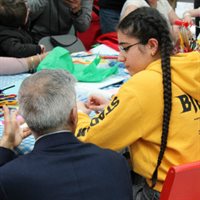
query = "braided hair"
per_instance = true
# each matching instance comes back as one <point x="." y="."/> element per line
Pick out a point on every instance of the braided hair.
<point x="145" y="23"/>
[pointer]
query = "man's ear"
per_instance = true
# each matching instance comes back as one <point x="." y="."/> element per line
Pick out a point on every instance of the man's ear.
<point x="153" y="46"/>
<point x="73" y="118"/>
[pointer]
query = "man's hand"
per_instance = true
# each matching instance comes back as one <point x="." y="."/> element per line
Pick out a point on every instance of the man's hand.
<point x="12" y="134"/>
<point x="74" y="5"/>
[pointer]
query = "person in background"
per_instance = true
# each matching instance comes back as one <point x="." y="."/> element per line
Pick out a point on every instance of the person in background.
<point x="156" y="112"/>
<point x="109" y="14"/>
<point x="12" y="65"/>
<point x="60" y="166"/>
<point x="56" y="17"/>
<point x="190" y="14"/>
<point x="173" y="3"/>
<point x="162" y="6"/>
<point x="14" y="39"/>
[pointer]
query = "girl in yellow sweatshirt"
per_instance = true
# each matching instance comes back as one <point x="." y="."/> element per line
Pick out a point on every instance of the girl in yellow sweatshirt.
<point x="156" y="113"/>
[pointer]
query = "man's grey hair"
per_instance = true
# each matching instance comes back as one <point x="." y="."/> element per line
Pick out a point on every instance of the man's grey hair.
<point x="46" y="99"/>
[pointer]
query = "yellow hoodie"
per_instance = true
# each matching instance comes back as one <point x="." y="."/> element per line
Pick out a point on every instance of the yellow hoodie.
<point x="134" y="118"/>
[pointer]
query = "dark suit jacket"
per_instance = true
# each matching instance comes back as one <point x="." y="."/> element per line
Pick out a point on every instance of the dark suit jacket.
<point x="62" y="168"/>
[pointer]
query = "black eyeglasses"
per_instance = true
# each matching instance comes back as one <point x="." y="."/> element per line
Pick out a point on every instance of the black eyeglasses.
<point x="125" y="49"/>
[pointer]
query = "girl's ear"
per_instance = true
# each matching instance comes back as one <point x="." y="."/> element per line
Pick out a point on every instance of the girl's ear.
<point x="153" y="46"/>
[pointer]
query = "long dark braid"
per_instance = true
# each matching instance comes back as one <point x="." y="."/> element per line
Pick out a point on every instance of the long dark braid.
<point x="145" y="23"/>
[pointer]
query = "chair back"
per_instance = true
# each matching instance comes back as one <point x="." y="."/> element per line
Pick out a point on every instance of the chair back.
<point x="182" y="183"/>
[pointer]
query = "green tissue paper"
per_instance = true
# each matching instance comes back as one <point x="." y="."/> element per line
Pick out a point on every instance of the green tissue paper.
<point x="59" y="58"/>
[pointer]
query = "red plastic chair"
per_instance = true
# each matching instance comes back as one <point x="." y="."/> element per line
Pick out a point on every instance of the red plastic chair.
<point x="182" y="183"/>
